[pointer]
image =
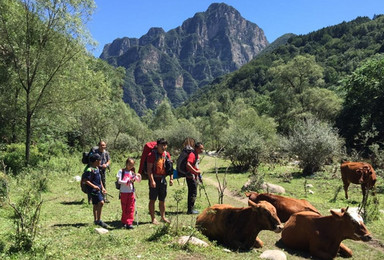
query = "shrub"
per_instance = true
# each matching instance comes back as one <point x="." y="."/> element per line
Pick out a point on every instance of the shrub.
<point x="249" y="139"/>
<point x="26" y="216"/>
<point x="14" y="157"/>
<point x="314" y="143"/>
<point x="3" y="188"/>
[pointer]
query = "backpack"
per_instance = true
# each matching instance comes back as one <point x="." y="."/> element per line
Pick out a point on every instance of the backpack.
<point x="87" y="155"/>
<point x="181" y="166"/>
<point x="148" y="147"/>
<point x="117" y="184"/>
<point x="168" y="165"/>
<point x="83" y="185"/>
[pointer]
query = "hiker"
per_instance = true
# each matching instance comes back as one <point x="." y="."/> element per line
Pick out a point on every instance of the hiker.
<point x="104" y="163"/>
<point x="194" y="176"/>
<point x="95" y="188"/>
<point x="126" y="178"/>
<point x="156" y="179"/>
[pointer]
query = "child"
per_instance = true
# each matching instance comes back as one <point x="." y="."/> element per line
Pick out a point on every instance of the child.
<point x="95" y="188"/>
<point x="126" y="177"/>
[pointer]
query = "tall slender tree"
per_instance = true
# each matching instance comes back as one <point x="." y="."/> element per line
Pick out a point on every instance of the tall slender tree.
<point x="43" y="38"/>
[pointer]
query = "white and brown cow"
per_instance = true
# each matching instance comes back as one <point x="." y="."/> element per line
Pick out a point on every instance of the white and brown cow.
<point x="322" y="235"/>
<point x="237" y="228"/>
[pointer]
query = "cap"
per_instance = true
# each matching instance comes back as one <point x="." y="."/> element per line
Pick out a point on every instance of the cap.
<point x="94" y="157"/>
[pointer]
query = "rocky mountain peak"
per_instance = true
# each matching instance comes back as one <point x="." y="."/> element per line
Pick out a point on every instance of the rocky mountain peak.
<point x="176" y="63"/>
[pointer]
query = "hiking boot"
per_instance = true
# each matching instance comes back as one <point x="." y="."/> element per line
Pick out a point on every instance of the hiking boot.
<point x="192" y="211"/>
<point x="101" y="224"/>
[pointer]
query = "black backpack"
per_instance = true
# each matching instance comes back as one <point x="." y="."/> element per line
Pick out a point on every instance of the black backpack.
<point x="87" y="155"/>
<point x="182" y="162"/>
<point x="83" y="185"/>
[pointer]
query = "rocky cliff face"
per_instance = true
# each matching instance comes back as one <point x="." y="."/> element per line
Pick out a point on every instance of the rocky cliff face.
<point x="176" y="63"/>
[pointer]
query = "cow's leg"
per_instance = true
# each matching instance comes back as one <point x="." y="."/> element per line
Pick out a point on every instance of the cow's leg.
<point x="346" y="185"/>
<point x="258" y="243"/>
<point x="344" y="251"/>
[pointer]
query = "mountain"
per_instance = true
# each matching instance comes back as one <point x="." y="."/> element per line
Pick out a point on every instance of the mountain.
<point x="338" y="49"/>
<point x="176" y="63"/>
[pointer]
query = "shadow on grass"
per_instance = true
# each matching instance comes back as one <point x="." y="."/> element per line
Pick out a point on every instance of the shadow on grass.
<point x="293" y="252"/>
<point x="77" y="225"/>
<point x="75" y="202"/>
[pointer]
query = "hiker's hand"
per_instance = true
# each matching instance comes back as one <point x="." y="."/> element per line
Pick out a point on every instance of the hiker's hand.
<point x="153" y="184"/>
<point x="104" y="191"/>
<point x="104" y="166"/>
<point x="200" y="178"/>
<point x="171" y="182"/>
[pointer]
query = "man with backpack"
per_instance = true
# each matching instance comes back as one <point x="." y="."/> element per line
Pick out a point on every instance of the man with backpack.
<point x="95" y="188"/>
<point x="193" y="176"/>
<point x="104" y="163"/>
<point x="157" y="179"/>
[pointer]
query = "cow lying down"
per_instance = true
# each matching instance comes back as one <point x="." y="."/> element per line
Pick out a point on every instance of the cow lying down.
<point x="285" y="206"/>
<point x="322" y="235"/>
<point x="237" y="228"/>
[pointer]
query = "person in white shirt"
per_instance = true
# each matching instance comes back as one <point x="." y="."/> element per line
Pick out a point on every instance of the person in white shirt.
<point x="126" y="177"/>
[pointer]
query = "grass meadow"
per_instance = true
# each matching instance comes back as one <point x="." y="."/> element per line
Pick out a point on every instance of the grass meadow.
<point x="66" y="230"/>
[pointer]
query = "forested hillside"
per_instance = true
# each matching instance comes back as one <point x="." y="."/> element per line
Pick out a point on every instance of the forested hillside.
<point x="311" y="76"/>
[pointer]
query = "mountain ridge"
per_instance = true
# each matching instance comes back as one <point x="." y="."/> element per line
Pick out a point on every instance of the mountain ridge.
<point x="176" y="63"/>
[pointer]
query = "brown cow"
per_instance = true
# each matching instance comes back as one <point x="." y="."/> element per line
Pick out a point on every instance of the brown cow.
<point x="285" y="206"/>
<point x="322" y="235"/>
<point x="237" y="228"/>
<point x="358" y="173"/>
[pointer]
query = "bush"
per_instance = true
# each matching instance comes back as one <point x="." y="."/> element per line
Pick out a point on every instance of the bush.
<point x="14" y="157"/>
<point x="249" y="139"/>
<point x="26" y="214"/>
<point x="3" y="189"/>
<point x="314" y="143"/>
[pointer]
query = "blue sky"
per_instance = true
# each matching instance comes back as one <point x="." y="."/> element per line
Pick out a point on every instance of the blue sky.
<point x="133" y="18"/>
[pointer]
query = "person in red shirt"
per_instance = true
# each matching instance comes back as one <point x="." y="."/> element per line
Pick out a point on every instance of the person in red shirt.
<point x="157" y="179"/>
<point x="194" y="176"/>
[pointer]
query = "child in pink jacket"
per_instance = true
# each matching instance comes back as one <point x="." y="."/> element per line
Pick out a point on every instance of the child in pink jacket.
<point x="126" y="177"/>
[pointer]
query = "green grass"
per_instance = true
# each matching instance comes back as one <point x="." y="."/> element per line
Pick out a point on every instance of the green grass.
<point x="66" y="230"/>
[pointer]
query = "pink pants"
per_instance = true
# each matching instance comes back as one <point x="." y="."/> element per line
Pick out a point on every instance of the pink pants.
<point x="128" y="207"/>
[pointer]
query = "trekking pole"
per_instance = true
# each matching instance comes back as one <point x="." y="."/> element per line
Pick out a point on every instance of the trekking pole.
<point x="107" y="194"/>
<point x="136" y="212"/>
<point x="205" y="191"/>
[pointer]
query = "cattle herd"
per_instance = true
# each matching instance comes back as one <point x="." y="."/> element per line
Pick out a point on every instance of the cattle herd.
<point x="304" y="227"/>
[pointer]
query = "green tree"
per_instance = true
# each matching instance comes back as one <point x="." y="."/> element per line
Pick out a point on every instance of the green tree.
<point x="43" y="39"/>
<point x="249" y="139"/>
<point x="361" y="121"/>
<point x="313" y="142"/>
<point x="163" y="117"/>
<point x="291" y="80"/>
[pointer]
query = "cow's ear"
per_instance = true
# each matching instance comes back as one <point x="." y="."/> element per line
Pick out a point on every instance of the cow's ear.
<point x="253" y="205"/>
<point x="336" y="214"/>
<point x="248" y="194"/>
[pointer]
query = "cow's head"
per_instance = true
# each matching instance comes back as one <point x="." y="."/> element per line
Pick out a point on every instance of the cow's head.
<point x="352" y="224"/>
<point x="365" y="173"/>
<point x="266" y="216"/>
<point x="252" y="196"/>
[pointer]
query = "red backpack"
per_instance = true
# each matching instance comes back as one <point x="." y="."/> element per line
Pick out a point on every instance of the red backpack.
<point x="148" y="147"/>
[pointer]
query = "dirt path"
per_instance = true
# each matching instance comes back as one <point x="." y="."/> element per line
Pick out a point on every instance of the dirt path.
<point x="227" y="192"/>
